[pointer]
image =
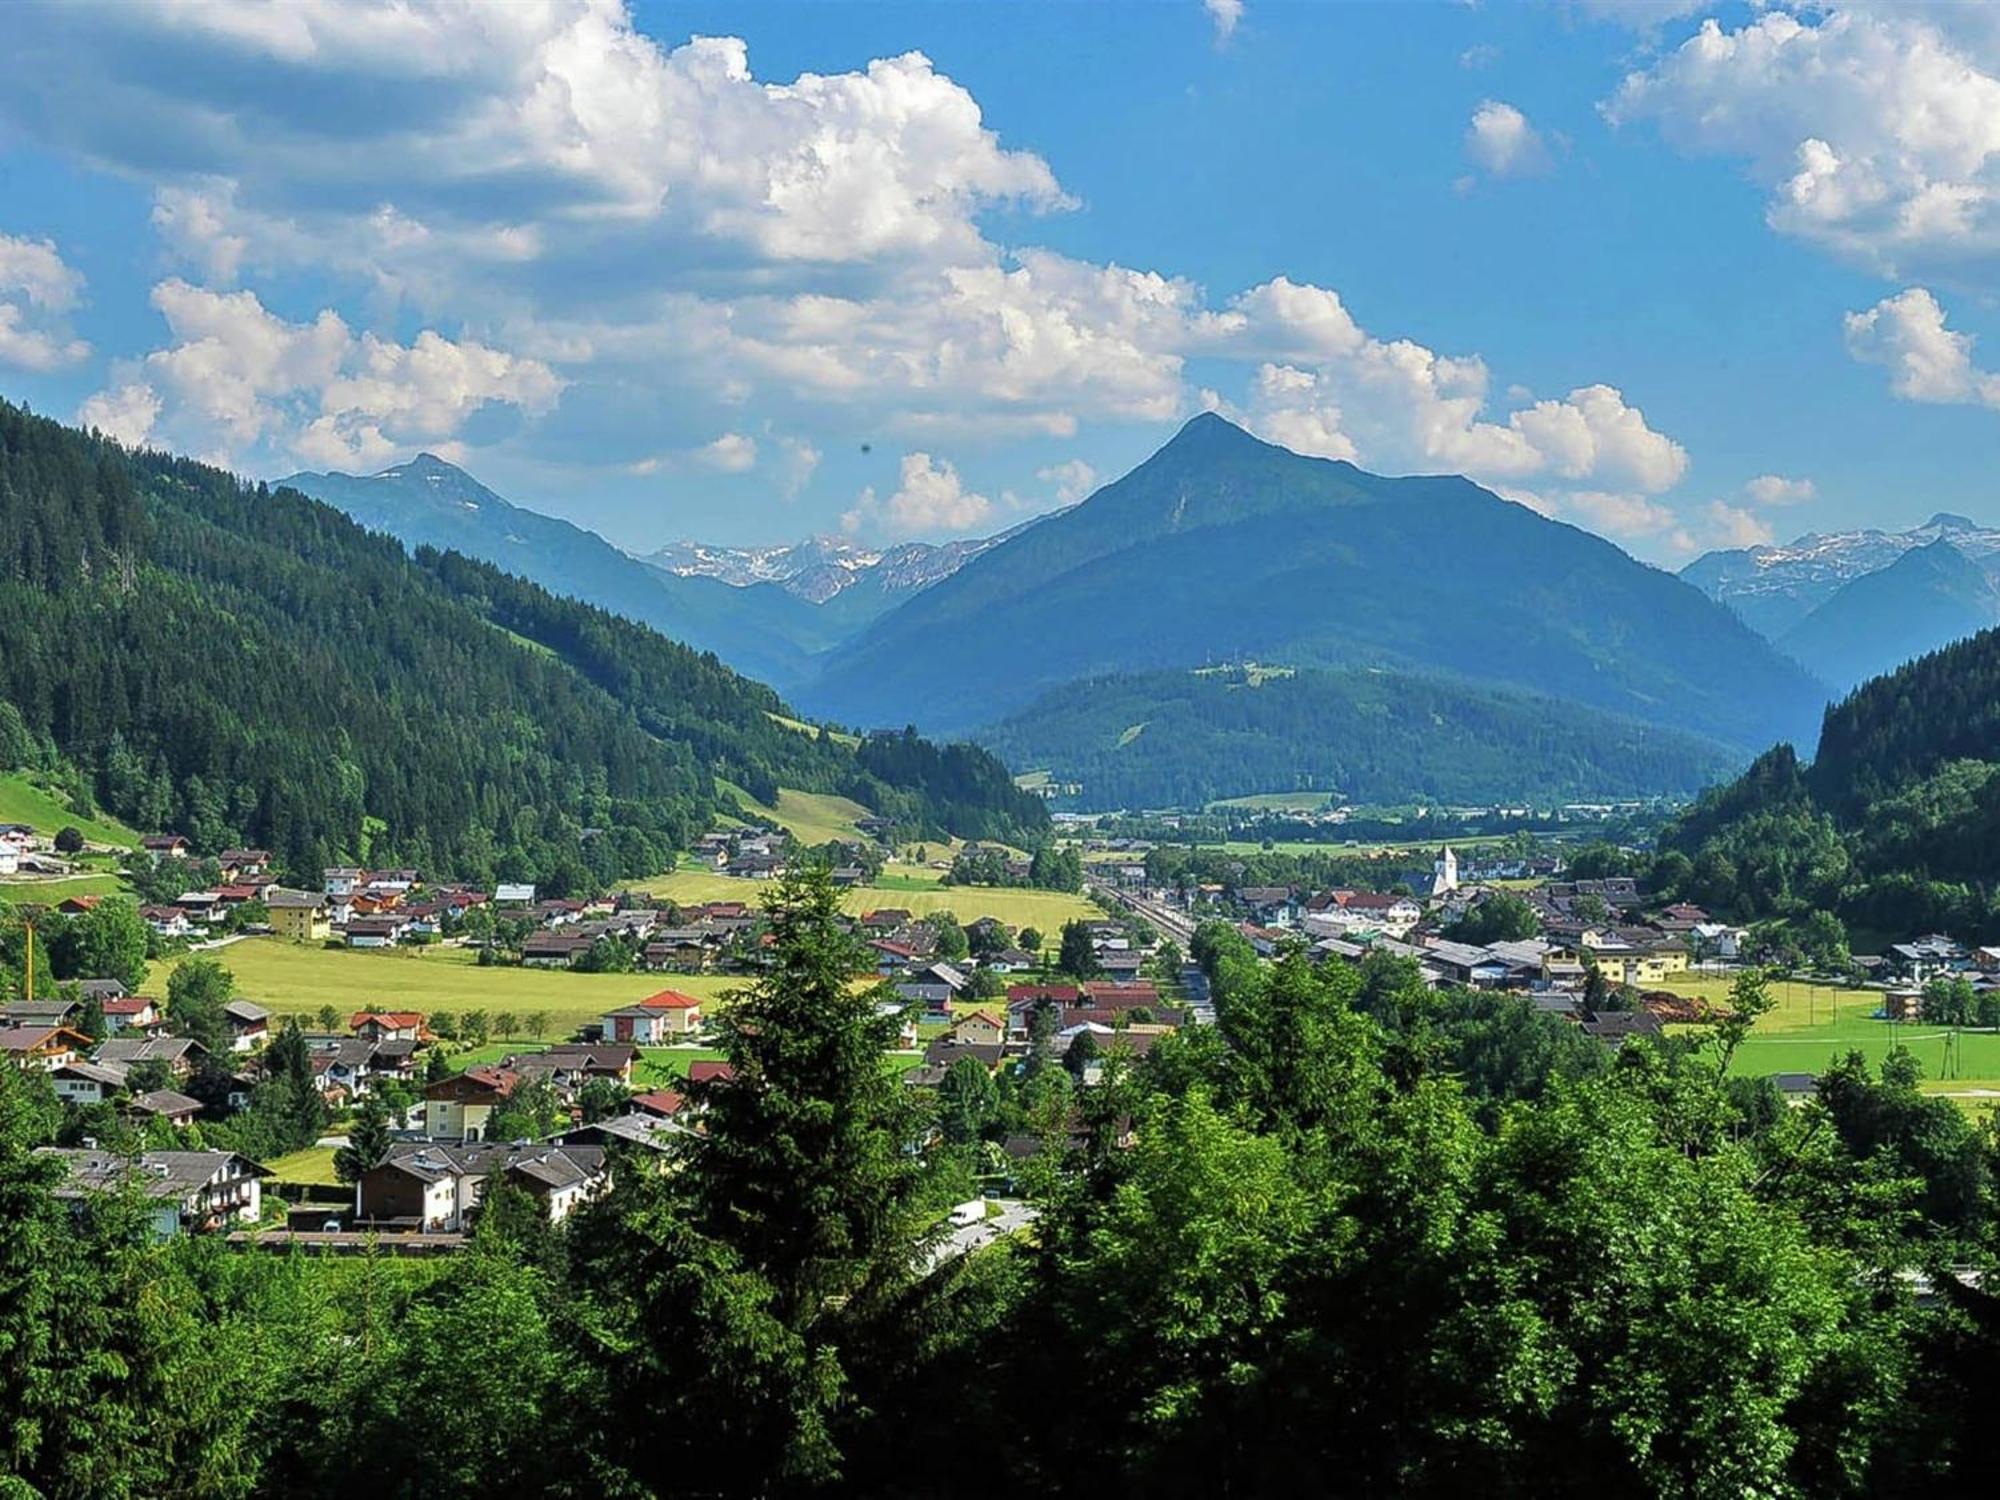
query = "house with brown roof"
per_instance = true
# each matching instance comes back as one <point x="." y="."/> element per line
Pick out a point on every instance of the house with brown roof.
<point x="388" y="1025"/>
<point x="463" y="1104"/>
<point x="177" y="1109"/>
<point x="190" y="1191"/>
<point x="663" y="1017"/>
<point x="133" y="1013"/>
<point x="164" y="846"/>
<point x="44" y="1047"/>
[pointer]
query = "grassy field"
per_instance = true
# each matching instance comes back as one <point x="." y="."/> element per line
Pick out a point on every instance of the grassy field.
<point x="312" y="1166"/>
<point x="1280" y="801"/>
<point x="813" y="817"/>
<point x="21" y="801"/>
<point x="1811" y="1025"/>
<point x="294" y="979"/>
<point x="839" y="737"/>
<point x="1047" y="910"/>
<point x="52" y="891"/>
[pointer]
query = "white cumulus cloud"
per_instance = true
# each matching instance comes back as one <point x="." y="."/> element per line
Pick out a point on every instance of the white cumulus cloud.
<point x="930" y="498"/>
<point x="1875" y="130"/>
<point x="1073" y="479"/>
<point x="1926" y="360"/>
<point x="36" y="289"/>
<point x="238" y="382"/>
<point x="1776" y="489"/>
<point x="1501" y="140"/>
<point x="732" y="453"/>
<point x="1225" y="14"/>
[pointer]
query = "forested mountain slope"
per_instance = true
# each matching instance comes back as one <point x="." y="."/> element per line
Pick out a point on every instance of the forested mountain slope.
<point x="244" y="666"/>
<point x="1221" y="547"/>
<point x="764" y="632"/>
<point x="1185" y="738"/>
<point x="1896" y="823"/>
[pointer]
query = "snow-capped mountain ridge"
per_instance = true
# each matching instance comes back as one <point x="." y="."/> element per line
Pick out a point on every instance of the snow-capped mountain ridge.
<point x="1774" y="588"/>
<point x="820" y="567"/>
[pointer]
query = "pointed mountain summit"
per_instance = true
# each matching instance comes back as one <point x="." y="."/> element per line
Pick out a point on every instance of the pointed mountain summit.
<point x="1224" y="547"/>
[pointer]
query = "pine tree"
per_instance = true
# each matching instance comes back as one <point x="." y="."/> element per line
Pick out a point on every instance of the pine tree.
<point x="367" y="1141"/>
<point x="804" y="1164"/>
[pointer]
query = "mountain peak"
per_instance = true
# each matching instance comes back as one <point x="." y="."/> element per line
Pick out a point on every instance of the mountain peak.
<point x="422" y="464"/>
<point x="1208" y="433"/>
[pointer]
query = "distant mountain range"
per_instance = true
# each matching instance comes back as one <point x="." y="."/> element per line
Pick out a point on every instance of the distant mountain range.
<point x="1220" y="548"/>
<point x="1773" y="589"/>
<point x="1930" y="596"/>
<point x="821" y="566"/>
<point x="767" y="611"/>
<point x="1224" y="548"/>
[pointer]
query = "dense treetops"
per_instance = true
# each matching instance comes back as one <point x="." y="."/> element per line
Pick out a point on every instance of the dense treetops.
<point x="252" y="667"/>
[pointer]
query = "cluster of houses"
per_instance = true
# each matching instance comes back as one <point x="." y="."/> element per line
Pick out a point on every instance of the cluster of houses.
<point x="1603" y="926"/>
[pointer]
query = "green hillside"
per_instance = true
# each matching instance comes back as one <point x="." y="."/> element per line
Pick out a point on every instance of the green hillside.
<point x="1370" y="736"/>
<point x="763" y="632"/>
<point x="1895" y="826"/>
<point x="1927" y="598"/>
<point x="241" y="665"/>
<point x="1220" y="547"/>
<point x="24" y="800"/>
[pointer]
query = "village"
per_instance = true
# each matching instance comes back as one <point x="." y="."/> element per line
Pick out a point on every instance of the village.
<point x="983" y="995"/>
<point x="985" y="992"/>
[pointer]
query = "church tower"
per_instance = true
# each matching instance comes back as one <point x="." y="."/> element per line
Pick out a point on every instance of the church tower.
<point x="1444" y="871"/>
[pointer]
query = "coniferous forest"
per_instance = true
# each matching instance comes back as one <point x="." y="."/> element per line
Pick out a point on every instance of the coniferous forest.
<point x="1893" y="827"/>
<point x="247" y="667"/>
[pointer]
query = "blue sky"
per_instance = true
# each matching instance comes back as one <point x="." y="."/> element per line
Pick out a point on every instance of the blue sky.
<point x="1689" y="276"/>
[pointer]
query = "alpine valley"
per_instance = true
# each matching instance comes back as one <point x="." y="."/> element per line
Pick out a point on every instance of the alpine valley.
<point x="1220" y="549"/>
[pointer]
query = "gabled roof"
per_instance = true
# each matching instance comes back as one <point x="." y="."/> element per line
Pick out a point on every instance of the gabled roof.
<point x="165" y="1102"/>
<point x="670" y="1000"/>
<point x="138" y="1049"/>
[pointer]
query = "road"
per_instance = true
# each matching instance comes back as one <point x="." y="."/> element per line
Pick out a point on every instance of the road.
<point x="1176" y="924"/>
<point x="1013" y="1215"/>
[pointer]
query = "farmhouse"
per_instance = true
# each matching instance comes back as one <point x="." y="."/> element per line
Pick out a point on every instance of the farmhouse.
<point x="41" y="1046"/>
<point x="299" y="916"/>
<point x="462" y="1105"/>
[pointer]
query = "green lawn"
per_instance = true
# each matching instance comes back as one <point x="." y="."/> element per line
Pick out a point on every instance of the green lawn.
<point x="295" y="979"/>
<point x="22" y="801"/>
<point x="1812" y="1024"/>
<point x="813" y="817"/>
<point x="1280" y="801"/>
<point x="1047" y="910"/>
<point x="312" y="1166"/>
<point x="49" y="892"/>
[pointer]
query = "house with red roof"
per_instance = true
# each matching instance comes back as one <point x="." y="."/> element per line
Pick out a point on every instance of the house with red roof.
<point x="389" y="1026"/>
<point x="657" y="1019"/>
